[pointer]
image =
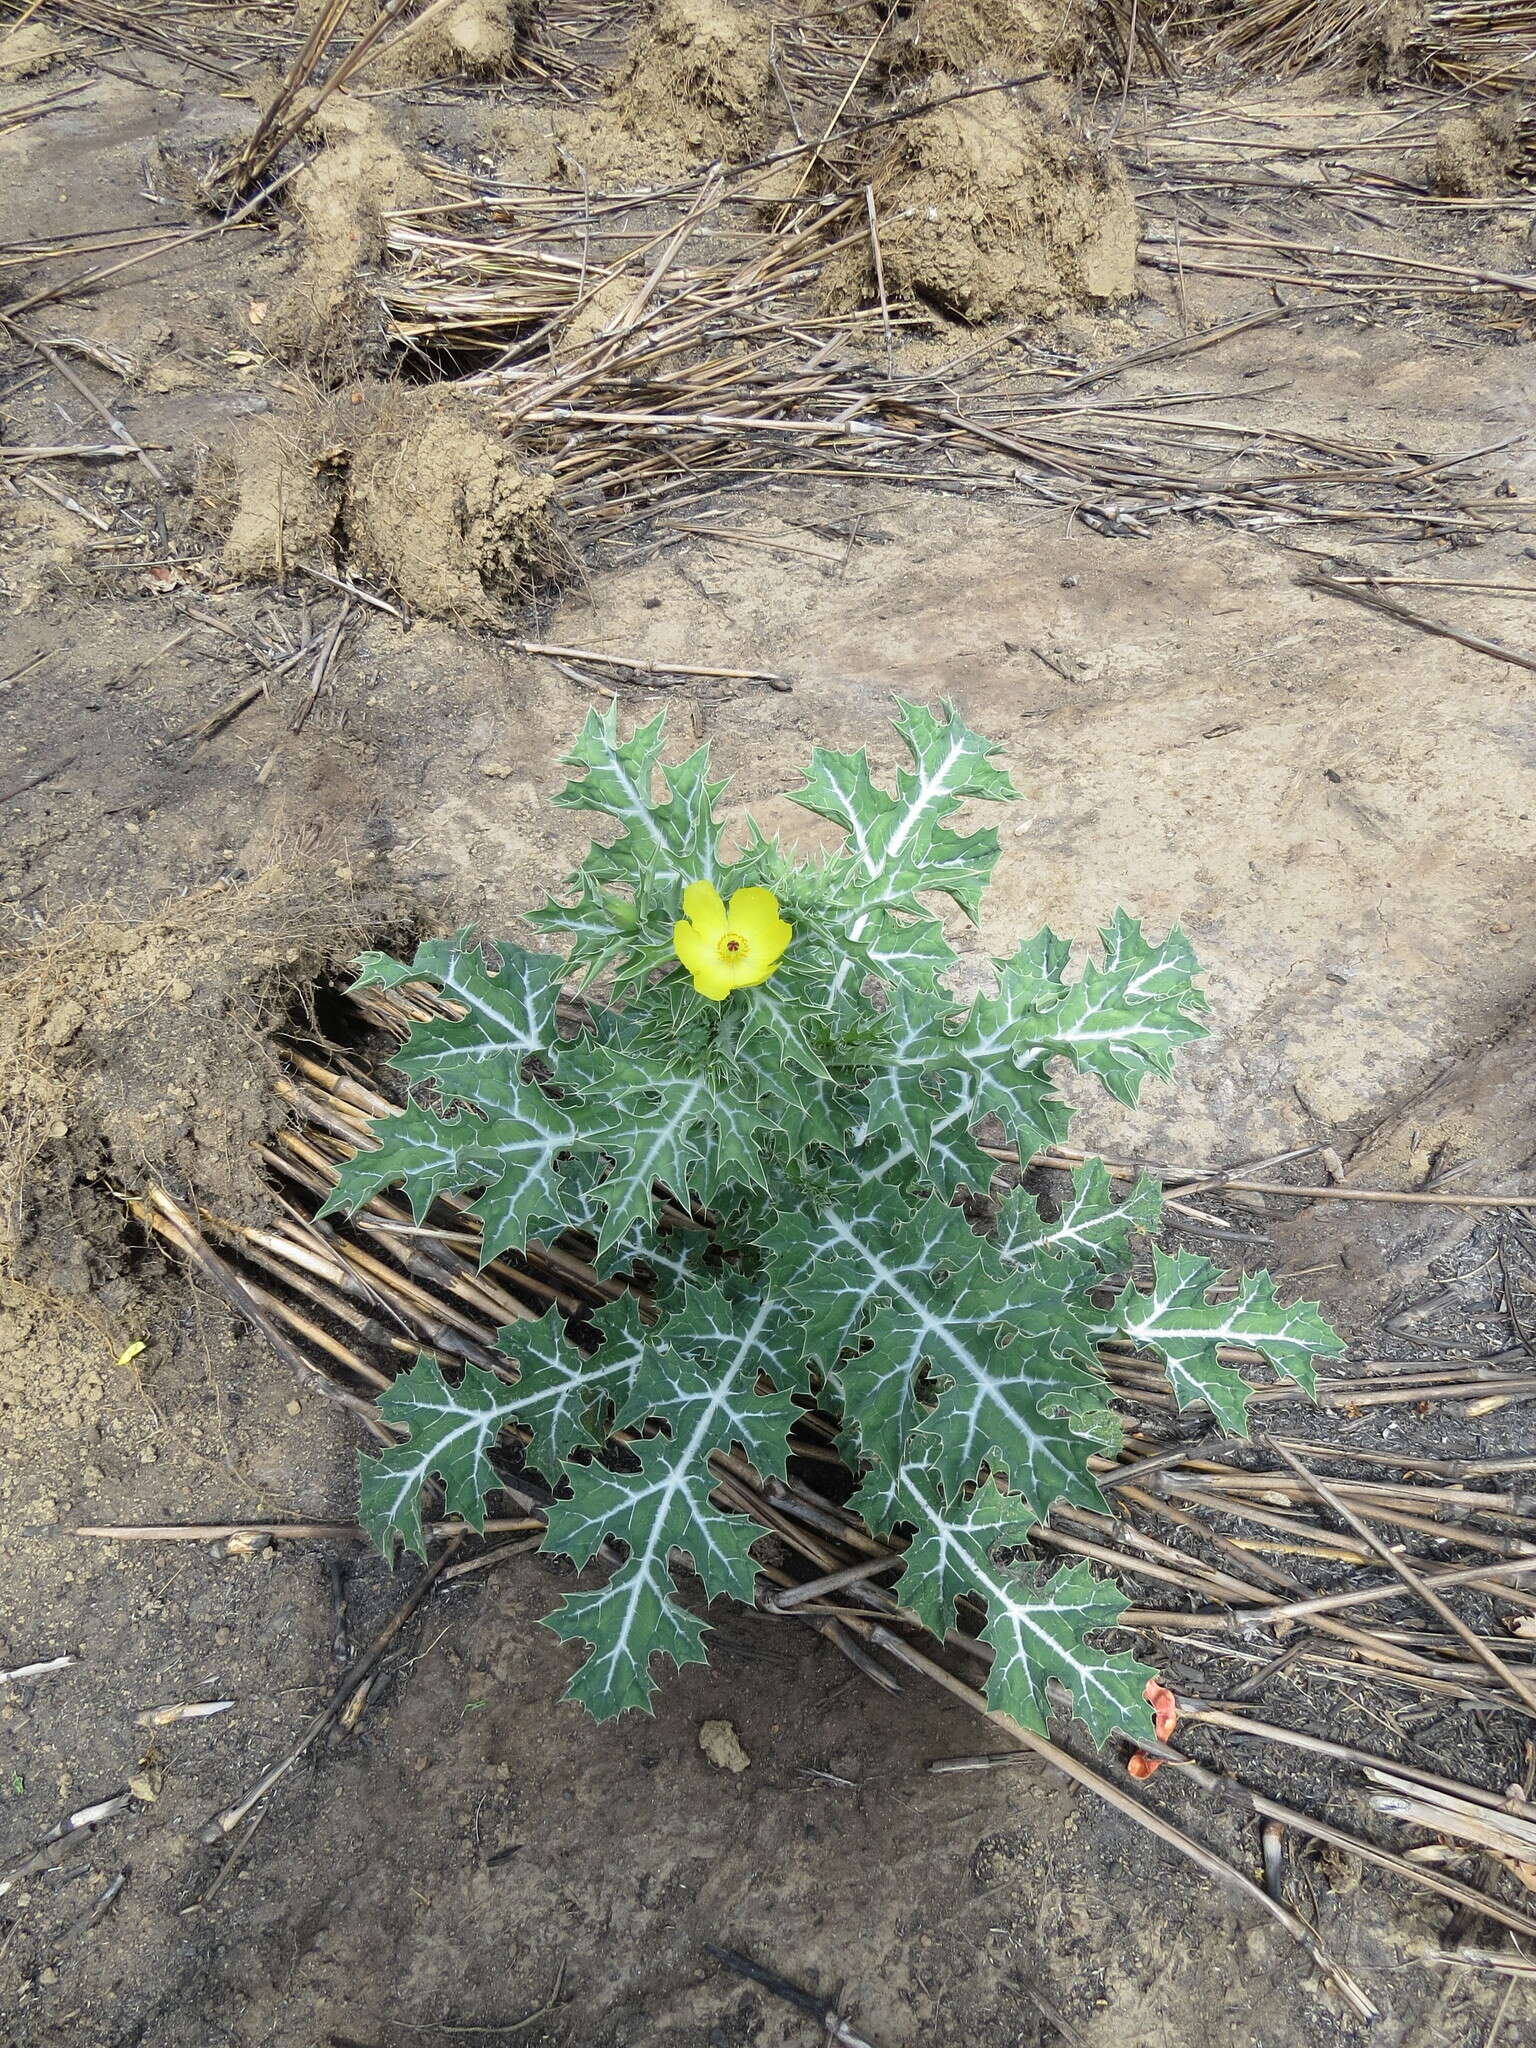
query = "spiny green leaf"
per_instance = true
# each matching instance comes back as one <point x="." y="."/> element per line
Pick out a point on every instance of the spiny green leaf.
<point x="433" y="960"/>
<point x="1175" y="1320"/>
<point x="899" y="846"/>
<point x="635" y="1615"/>
<point x="1092" y="1225"/>
<point x="510" y="1014"/>
<point x="451" y="1432"/>
<point x="943" y="1157"/>
<point x="930" y="1122"/>
<point x="661" y="1507"/>
<point x="514" y="1156"/>
<point x="567" y="1397"/>
<point x="430" y="1154"/>
<point x="743" y="1338"/>
<point x="918" y="1289"/>
<point x="1128" y="1018"/>
<point x="665" y="843"/>
<point x="1118" y="1022"/>
<point x="1038" y="1625"/>
<point x="672" y="841"/>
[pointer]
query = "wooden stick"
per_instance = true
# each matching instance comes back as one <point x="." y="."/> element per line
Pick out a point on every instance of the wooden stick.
<point x="1520" y="1687"/>
<point x="1060" y="1157"/>
<point x="673" y="668"/>
<point x="70" y="285"/>
<point x="1360" y="594"/>
<point x="219" y="1532"/>
<point x="104" y="413"/>
<point x="224" y="1823"/>
<point x="1124" y="1802"/>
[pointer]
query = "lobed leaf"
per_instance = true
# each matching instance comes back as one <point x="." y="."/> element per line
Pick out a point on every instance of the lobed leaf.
<point x="1175" y="1320"/>
<point x="906" y="1292"/>
<point x="1092" y="1226"/>
<point x="1038" y="1625"/>
<point x="898" y="846"/>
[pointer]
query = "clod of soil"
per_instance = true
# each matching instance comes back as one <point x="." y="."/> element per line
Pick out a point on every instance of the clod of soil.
<point x="128" y="1049"/>
<point x="990" y="206"/>
<point x="723" y="1746"/>
<point x="424" y="496"/>
<point x="477" y="38"/>
<point x="696" y="82"/>
<point x="1009" y="35"/>
<point x="1474" y="154"/>
<point x="341" y="198"/>
<point x="288" y="499"/>
<point x="1386" y="38"/>
<point x="27" y="51"/>
<point x="437" y="507"/>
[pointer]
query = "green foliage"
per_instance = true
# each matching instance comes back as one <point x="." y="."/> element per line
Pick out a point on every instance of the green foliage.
<point x="820" y="1128"/>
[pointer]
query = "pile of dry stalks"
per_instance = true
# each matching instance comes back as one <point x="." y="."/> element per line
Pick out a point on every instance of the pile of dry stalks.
<point x="1320" y="1551"/>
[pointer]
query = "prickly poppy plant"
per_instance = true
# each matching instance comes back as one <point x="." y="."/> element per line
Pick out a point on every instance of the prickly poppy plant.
<point x="766" y="1125"/>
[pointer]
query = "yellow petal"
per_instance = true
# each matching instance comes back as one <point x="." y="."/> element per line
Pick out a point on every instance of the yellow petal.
<point x="713" y="982"/>
<point x="755" y="914"/>
<point x="758" y="968"/>
<point x="704" y="910"/>
<point x="696" y="952"/>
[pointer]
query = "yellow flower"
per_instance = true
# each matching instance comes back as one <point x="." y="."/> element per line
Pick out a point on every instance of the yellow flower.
<point x="725" y="949"/>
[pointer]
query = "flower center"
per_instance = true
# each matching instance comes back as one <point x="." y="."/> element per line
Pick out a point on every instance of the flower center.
<point x="733" y="947"/>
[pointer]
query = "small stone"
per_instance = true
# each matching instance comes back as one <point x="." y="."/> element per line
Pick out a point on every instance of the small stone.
<point x="48" y="1976"/>
<point x="293" y="1408"/>
<point x="179" y="992"/>
<point x="64" y="1021"/>
<point x="722" y="1745"/>
<point x="57" y="1131"/>
<point x="1070" y="582"/>
<point x="497" y="770"/>
<point x="144" y="1787"/>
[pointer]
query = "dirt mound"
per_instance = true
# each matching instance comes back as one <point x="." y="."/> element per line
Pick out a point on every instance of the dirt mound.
<point x="991" y="206"/>
<point x="694" y="86"/>
<point x="1010" y="35"/>
<point x="287" y="500"/>
<point x="425" y="497"/>
<point x="132" y="1050"/>
<point x="28" y="51"/>
<point x="477" y="38"/>
<point x="341" y="197"/>
<point x="1474" y="155"/>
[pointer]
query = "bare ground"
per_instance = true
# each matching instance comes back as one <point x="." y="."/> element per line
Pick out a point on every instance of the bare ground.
<point x="1337" y="807"/>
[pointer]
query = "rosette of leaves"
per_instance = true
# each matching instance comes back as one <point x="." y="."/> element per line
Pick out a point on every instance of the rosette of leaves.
<point x="816" y="1133"/>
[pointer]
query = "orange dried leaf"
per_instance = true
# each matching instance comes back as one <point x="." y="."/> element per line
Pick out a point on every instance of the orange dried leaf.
<point x="1165" y="1709"/>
